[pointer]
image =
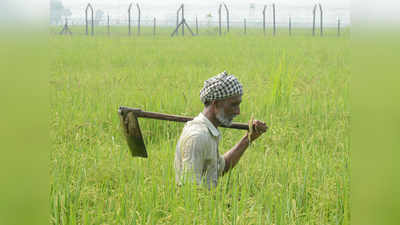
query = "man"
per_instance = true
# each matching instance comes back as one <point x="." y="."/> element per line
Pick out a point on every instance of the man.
<point x="197" y="158"/>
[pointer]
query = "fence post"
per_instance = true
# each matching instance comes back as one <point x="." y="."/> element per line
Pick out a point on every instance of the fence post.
<point x="274" y="21"/>
<point x="139" y="14"/>
<point x="177" y="18"/>
<point x="129" y="19"/>
<point x="321" y="31"/>
<point x="265" y="7"/>
<point x="197" y="27"/>
<point x="313" y="26"/>
<point x="86" y="22"/>
<point x="219" y="19"/>
<point x="183" y="19"/>
<point x="154" y="27"/>
<point x="92" y="22"/>
<point x="245" y="29"/>
<point x="338" y="27"/>
<point x="89" y="6"/>
<point x="108" y="25"/>
<point x="290" y="26"/>
<point x="65" y="29"/>
<point x="227" y="18"/>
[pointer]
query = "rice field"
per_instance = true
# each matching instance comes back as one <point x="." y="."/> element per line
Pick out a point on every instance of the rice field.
<point x="296" y="173"/>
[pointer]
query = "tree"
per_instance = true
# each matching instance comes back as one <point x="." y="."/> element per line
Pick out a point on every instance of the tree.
<point x="57" y="11"/>
<point x="209" y="18"/>
<point x="252" y="10"/>
<point x="67" y="13"/>
<point x="98" y="16"/>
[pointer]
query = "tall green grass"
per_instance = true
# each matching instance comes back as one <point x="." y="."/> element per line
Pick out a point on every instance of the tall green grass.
<point x="297" y="173"/>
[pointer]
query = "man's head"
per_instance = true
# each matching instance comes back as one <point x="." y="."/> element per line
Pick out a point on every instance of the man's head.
<point x="222" y="94"/>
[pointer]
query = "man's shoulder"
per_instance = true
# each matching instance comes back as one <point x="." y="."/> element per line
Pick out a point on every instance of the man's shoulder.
<point x="196" y="129"/>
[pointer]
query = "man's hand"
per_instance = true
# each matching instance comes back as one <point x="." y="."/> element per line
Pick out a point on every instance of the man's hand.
<point x="258" y="129"/>
<point x="232" y="156"/>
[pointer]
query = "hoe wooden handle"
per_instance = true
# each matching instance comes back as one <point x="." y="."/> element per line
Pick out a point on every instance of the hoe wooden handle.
<point x="162" y="116"/>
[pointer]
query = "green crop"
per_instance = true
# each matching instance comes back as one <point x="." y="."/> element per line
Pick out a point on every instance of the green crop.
<point x="296" y="173"/>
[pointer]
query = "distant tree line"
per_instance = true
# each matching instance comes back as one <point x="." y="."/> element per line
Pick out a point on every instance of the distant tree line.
<point x="58" y="13"/>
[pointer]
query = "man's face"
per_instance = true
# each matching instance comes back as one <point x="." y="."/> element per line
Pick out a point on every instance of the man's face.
<point x="227" y="109"/>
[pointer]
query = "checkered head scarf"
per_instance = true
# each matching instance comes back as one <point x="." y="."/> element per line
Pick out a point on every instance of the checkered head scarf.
<point x="219" y="87"/>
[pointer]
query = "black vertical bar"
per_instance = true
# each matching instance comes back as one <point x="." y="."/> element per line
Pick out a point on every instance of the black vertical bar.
<point x="274" y="21"/>
<point x="108" y="25"/>
<point x="183" y="19"/>
<point x="197" y="27"/>
<point x="91" y="9"/>
<point x="290" y="26"/>
<point x="338" y="27"/>
<point x="321" y="31"/>
<point x="219" y="13"/>
<point x="154" y="27"/>
<point x="313" y="27"/>
<point x="227" y="18"/>
<point x="227" y="21"/>
<point x="177" y="19"/>
<point x="139" y="15"/>
<point x="264" y="19"/>
<point x="245" y="29"/>
<point x="86" y="19"/>
<point x="129" y="19"/>
<point x="177" y="16"/>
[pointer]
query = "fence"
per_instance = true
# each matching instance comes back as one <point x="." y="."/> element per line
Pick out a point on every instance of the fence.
<point x="152" y="27"/>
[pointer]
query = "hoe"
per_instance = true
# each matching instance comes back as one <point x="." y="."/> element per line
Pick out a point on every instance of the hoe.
<point x="131" y="129"/>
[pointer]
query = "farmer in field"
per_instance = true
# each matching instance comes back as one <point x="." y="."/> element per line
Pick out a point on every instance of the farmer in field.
<point x="197" y="158"/>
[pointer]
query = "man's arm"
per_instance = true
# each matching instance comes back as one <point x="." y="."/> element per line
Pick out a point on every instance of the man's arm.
<point x="233" y="156"/>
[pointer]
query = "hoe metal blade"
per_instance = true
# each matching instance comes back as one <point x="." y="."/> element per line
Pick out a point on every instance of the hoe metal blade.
<point x="132" y="132"/>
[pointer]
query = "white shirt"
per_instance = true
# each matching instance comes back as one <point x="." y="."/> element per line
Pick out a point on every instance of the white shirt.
<point x="197" y="153"/>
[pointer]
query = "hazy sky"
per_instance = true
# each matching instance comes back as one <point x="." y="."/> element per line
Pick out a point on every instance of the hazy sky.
<point x="299" y="10"/>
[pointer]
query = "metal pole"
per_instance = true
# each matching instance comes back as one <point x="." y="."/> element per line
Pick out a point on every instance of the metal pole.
<point x="338" y="27"/>
<point x="273" y="12"/>
<point x="197" y="27"/>
<point x="219" y="13"/>
<point x="138" y="8"/>
<point x="190" y="30"/>
<point x="89" y="6"/>
<point x="183" y="19"/>
<point x="129" y="19"/>
<point x="86" y="20"/>
<point x="290" y="26"/>
<point x="176" y="29"/>
<point x="91" y="9"/>
<point x="264" y="19"/>
<point x="313" y="27"/>
<point x="177" y="18"/>
<point x="108" y="25"/>
<point x="321" y="31"/>
<point x="245" y="31"/>
<point x="227" y="18"/>
<point x="154" y="27"/>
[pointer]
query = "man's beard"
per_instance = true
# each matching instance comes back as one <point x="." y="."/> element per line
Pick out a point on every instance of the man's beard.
<point x="224" y="120"/>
